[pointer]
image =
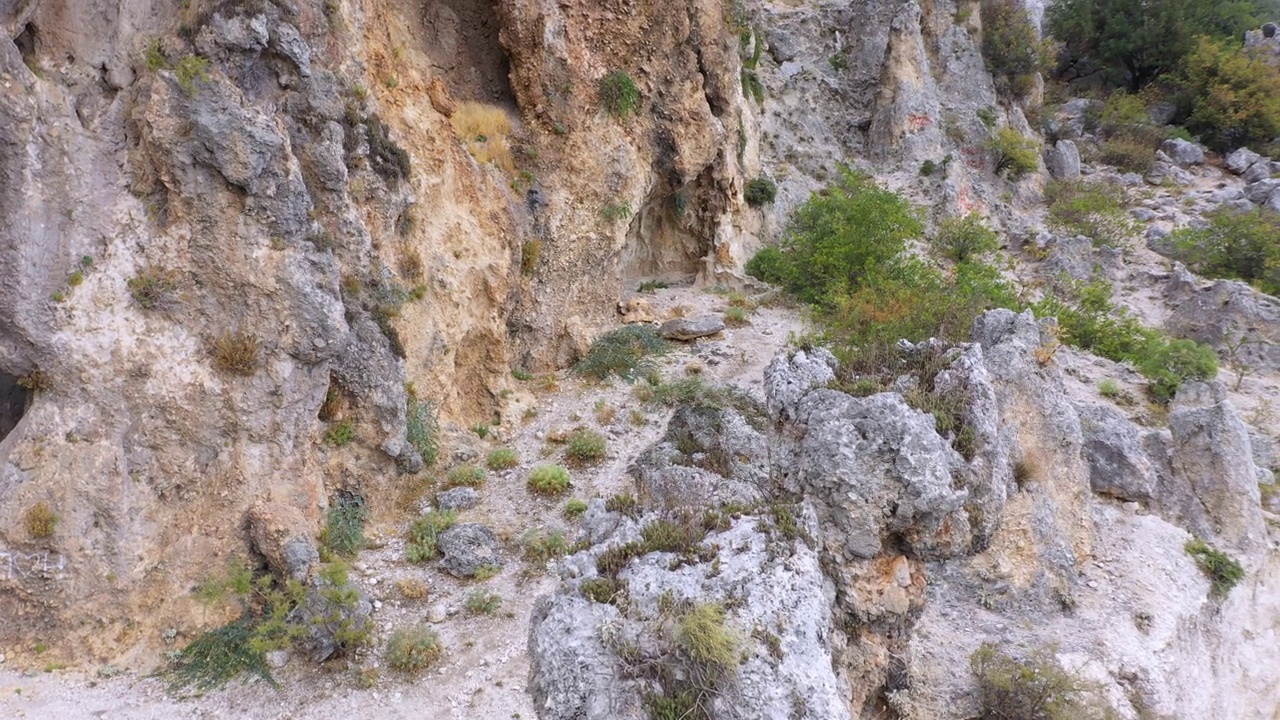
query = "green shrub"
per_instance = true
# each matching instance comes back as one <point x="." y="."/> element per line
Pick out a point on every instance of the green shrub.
<point x="625" y="504"/>
<point x="40" y="521"/>
<point x="154" y="287"/>
<point x="190" y="72"/>
<point x="760" y="191"/>
<point x="1109" y="388"/>
<point x="465" y="475"/>
<point x="1128" y="155"/>
<point x="549" y="480"/>
<point x="618" y="94"/>
<point x="837" y="238"/>
<point x="736" y="317"/>
<point x="414" y="649"/>
<point x="1221" y="569"/>
<point x="603" y="590"/>
<point x="1011" y="47"/>
<point x="422" y="428"/>
<point x="965" y="238"/>
<point x="1031" y="689"/>
<point x="341" y="434"/>
<point x="626" y="352"/>
<point x="668" y="536"/>
<point x="575" y="508"/>
<point x="420" y="544"/>
<point x="1234" y="94"/>
<point x="1013" y="154"/>
<point x="343" y="534"/>
<point x="503" y="459"/>
<point x="1167" y="363"/>
<point x="530" y="252"/>
<point x="1242" y="246"/>
<point x="542" y="545"/>
<point x="483" y="602"/>
<point x="702" y="633"/>
<point x="585" y="446"/>
<point x="614" y="212"/>
<point x="216" y="657"/>
<point x="1093" y="209"/>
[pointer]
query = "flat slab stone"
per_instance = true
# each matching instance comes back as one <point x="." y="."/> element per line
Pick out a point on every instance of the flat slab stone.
<point x="691" y="328"/>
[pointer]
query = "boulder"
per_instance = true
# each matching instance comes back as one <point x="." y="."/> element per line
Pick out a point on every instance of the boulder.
<point x="1118" y="463"/>
<point x="1240" y="160"/>
<point x="1183" y="152"/>
<point x="1223" y="313"/>
<point x="1258" y="192"/>
<point x="459" y="498"/>
<point x="467" y="547"/>
<point x="691" y="328"/>
<point x="1062" y="160"/>
<point x="790" y="377"/>
<point x="636" y="310"/>
<point x="1260" y="170"/>
<point x="282" y="535"/>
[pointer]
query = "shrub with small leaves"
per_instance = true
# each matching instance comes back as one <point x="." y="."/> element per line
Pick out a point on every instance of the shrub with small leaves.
<point x="465" y="475"/>
<point x="503" y="459"/>
<point x="625" y="352"/>
<point x="190" y="71"/>
<point x="341" y="434"/>
<point x="483" y="602"/>
<point x="1013" y="153"/>
<point x="541" y="545"/>
<point x="216" y="657"/>
<point x="1109" y="388"/>
<point x="549" y="480"/>
<point x="585" y="446"/>
<point x="760" y="191"/>
<point x="618" y="94"/>
<point x="602" y="589"/>
<point x="1221" y="569"/>
<point x="413" y="649"/>
<point x="964" y="238"/>
<point x="575" y="508"/>
<point x="1031" y="688"/>
<point x="343" y="534"/>
<point x="40" y="521"/>
<point x="421" y="542"/>
<point x="237" y="353"/>
<point x="422" y="428"/>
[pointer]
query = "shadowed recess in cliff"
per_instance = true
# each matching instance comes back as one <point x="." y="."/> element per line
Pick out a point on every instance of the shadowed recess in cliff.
<point x="461" y="37"/>
<point x="13" y="403"/>
<point x="662" y="241"/>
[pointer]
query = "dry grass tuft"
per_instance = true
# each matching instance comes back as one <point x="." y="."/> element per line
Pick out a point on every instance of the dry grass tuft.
<point x="40" y="521"/>
<point x="238" y="353"/>
<point x="483" y="129"/>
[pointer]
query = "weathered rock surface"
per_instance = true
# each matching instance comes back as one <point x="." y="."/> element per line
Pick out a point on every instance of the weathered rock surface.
<point x="691" y="328"/>
<point x="459" y="498"/>
<point x="1183" y="152"/>
<point x="467" y="547"/>
<point x="1062" y="160"/>
<point x="1228" y="315"/>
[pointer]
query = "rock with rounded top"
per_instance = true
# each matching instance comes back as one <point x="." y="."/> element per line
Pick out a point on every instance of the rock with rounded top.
<point x="1240" y="160"/>
<point x="691" y="328"/>
<point x="1183" y="152"/>
<point x="467" y="547"/>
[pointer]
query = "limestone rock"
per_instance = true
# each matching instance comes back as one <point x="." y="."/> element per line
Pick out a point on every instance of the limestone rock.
<point x="1118" y="462"/>
<point x="1226" y="313"/>
<point x="283" y="536"/>
<point x="691" y="328"/>
<point x="1062" y="160"/>
<point x="1241" y="160"/>
<point x="467" y="547"/>
<point x="790" y="376"/>
<point x="459" y="498"/>
<point x="636" y="310"/>
<point x="1183" y="152"/>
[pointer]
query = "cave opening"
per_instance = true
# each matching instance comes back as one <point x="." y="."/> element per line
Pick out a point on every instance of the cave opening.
<point x="26" y="42"/>
<point x="14" y="400"/>
<point x="662" y="243"/>
<point x="461" y="39"/>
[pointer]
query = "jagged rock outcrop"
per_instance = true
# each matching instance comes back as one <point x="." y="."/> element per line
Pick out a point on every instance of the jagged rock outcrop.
<point x="1228" y="315"/>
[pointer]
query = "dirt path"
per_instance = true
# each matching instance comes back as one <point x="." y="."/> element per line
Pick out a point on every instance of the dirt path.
<point x="486" y="667"/>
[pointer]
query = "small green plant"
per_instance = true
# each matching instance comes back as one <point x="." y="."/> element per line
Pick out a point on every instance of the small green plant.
<point x="422" y="428"/>
<point x="541" y="545"/>
<point x="483" y="602"/>
<point x="154" y="287"/>
<point x="1244" y="246"/>
<point x="1221" y="569"/>
<point x="486" y="572"/>
<point x="585" y="446"/>
<point x="839" y="61"/>
<point x="341" y="434"/>
<point x="626" y="352"/>
<point x="530" y="253"/>
<point x="1109" y="388"/>
<point x="625" y="504"/>
<point x="343" y="533"/>
<point x="414" y="649"/>
<point x="988" y="117"/>
<point x="238" y="353"/>
<point x="503" y="459"/>
<point x="1011" y="47"/>
<point x="1033" y="688"/>
<point x="702" y="632"/>
<point x="420" y="544"/>
<point x="1013" y="154"/>
<point x="760" y="191"/>
<point x="155" y="59"/>
<point x="76" y="278"/>
<point x="481" y="430"/>
<point x="40" y="521"/>
<point x="1093" y="209"/>
<point x="465" y="475"/>
<point x="216" y="657"/>
<point x="615" y="212"/>
<point x="618" y="94"/>
<point x="190" y="72"/>
<point x="575" y="508"/>
<point x="736" y="317"/>
<point x="962" y="239"/>
<point x="651" y="286"/>
<point x="522" y="375"/>
<point x="549" y="480"/>
<point x="603" y="590"/>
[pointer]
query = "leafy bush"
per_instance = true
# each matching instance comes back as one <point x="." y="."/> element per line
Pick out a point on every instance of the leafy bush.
<point x="420" y="544"/>
<point x="618" y="94"/>
<point x="237" y="353"/>
<point x="759" y="191"/>
<point x="601" y="589"/>
<point x="1109" y="388"/>
<point x="837" y="238"/>
<point x="343" y="534"/>
<point x="1234" y="94"/>
<point x="965" y="238"/>
<point x="503" y="459"/>
<point x="190" y="71"/>
<point x="386" y="157"/>
<point x="216" y="657"/>
<point x="1128" y="155"/>
<point x="483" y="602"/>
<point x="341" y="434"/>
<point x="1031" y="689"/>
<point x="1093" y="209"/>
<point x="585" y="446"/>
<point x="1011" y="47"/>
<point x="422" y="428"/>
<point x="549" y="480"/>
<point x="625" y="352"/>
<point x="1012" y="153"/>
<point x="1243" y="246"/>
<point x="40" y="521"/>
<point x="575" y="508"/>
<point x="465" y="475"/>
<point x="153" y="287"/>
<point x="1221" y="569"/>
<point x="414" y="649"/>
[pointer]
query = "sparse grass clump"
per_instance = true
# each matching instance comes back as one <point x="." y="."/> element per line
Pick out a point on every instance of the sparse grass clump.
<point x="413" y="649"/>
<point x="420" y="544"/>
<point x="1221" y="569"/>
<point x="736" y="317"/>
<point x="624" y="504"/>
<point x="619" y="95"/>
<point x="343" y="533"/>
<point x="626" y="352"/>
<point x="1035" y="688"/>
<point x="575" y="508"/>
<point x="341" y="434"/>
<point x="585" y="446"/>
<point x="549" y="480"/>
<point x="760" y="191"/>
<point x="483" y="130"/>
<point x="1109" y="388"/>
<point x="40" y="521"/>
<point x="541" y="545"/>
<point x="237" y="353"/>
<point x="483" y="602"/>
<point x="503" y="459"/>
<point x="422" y="428"/>
<point x="603" y="590"/>
<point x="154" y="287"/>
<point x="1093" y="209"/>
<point x="465" y="475"/>
<point x="702" y="633"/>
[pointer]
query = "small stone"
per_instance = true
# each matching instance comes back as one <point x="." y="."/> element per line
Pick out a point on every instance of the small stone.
<point x="277" y="659"/>
<point x="691" y="328"/>
<point x="437" y="613"/>
<point x="377" y="604"/>
<point x="1093" y="584"/>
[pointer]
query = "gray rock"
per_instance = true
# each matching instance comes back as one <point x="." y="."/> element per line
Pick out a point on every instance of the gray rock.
<point x="691" y="328"/>
<point x="277" y="659"/>
<point x="1240" y="160"/>
<point x="1258" y="192"/>
<point x="1161" y="113"/>
<point x="326" y="616"/>
<point x="790" y="376"/>
<point x="286" y="40"/>
<point x="1142" y="214"/>
<point x="467" y="547"/>
<point x="1131" y="179"/>
<point x="1072" y="256"/>
<point x="300" y="555"/>
<point x="1227" y="194"/>
<point x="1222" y="314"/>
<point x="1260" y="170"/>
<point x="1063" y="160"/>
<point x="459" y="498"/>
<point x="1118" y="462"/>
<point x="240" y="33"/>
<point x="1182" y="152"/>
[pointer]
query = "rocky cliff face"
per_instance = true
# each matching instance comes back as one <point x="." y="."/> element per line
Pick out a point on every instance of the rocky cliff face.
<point x="228" y="224"/>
